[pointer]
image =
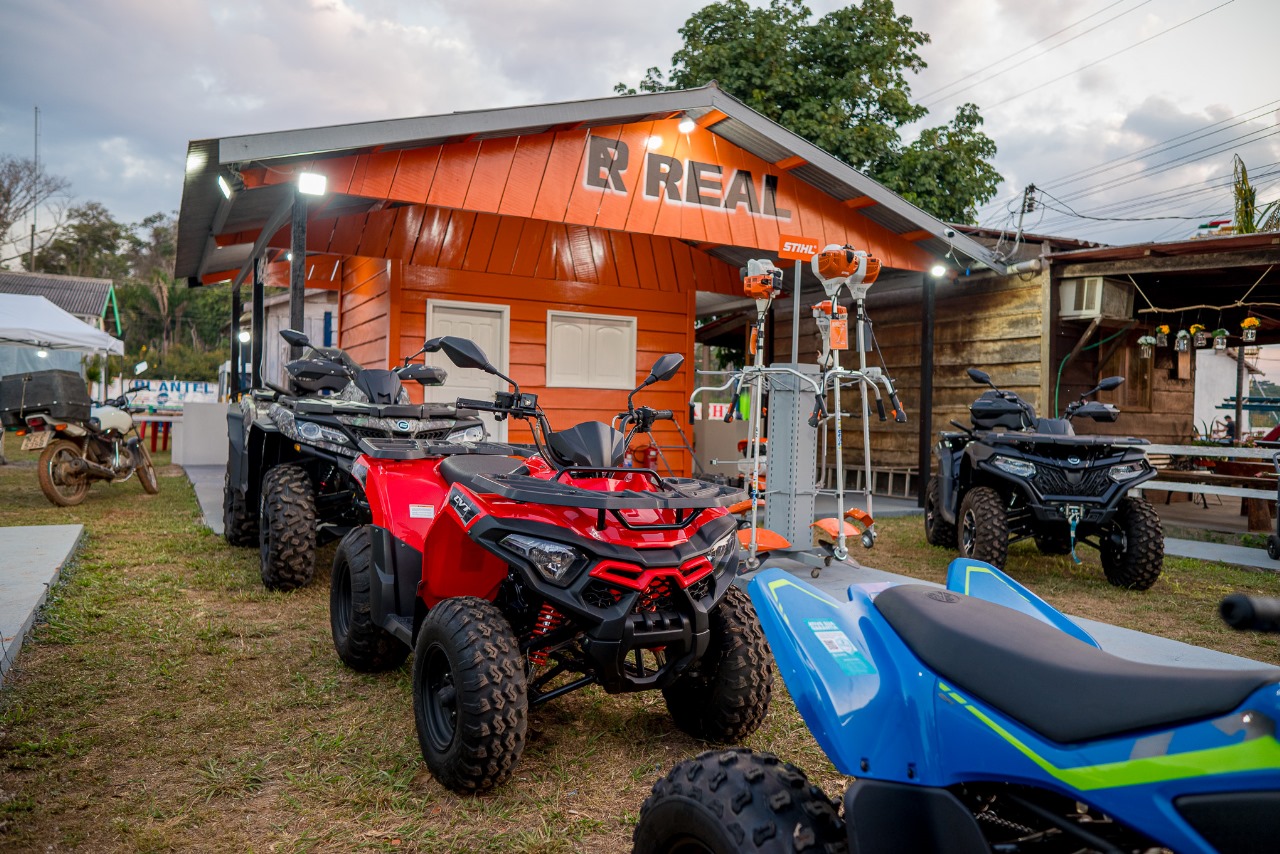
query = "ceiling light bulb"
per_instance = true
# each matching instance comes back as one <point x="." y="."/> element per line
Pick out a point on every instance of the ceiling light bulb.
<point x="244" y="336"/>
<point x="312" y="183"/>
<point x="686" y="125"/>
<point x="938" y="271"/>
<point x="654" y="142"/>
<point x="42" y="353"/>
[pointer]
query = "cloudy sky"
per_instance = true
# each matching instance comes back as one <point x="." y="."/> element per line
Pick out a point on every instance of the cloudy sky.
<point x="1117" y="108"/>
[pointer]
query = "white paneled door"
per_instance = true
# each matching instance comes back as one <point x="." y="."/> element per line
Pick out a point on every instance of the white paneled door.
<point x="488" y="326"/>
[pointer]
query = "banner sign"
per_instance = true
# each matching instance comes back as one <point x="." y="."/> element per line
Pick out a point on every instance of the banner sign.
<point x="795" y="248"/>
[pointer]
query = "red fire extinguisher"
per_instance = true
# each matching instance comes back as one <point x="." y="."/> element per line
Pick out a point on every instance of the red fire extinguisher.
<point x="651" y="457"/>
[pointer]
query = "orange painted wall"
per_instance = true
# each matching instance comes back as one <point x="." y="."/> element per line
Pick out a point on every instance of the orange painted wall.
<point x="364" y="307"/>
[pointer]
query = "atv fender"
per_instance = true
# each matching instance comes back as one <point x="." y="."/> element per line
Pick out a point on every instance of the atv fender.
<point x="984" y="581"/>
<point x="237" y="464"/>
<point x="866" y="698"/>
<point x="948" y="501"/>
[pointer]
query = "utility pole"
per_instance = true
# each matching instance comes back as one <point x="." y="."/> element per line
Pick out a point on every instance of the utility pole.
<point x="35" y="193"/>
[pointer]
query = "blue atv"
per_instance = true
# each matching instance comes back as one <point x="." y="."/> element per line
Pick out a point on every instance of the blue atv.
<point x="977" y="718"/>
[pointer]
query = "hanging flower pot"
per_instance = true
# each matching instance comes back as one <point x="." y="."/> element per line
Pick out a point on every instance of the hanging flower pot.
<point x="1219" y="339"/>
<point x="1249" y="330"/>
<point x="1146" y="346"/>
<point x="1182" y="343"/>
<point x="1198" y="335"/>
<point x="1162" y="336"/>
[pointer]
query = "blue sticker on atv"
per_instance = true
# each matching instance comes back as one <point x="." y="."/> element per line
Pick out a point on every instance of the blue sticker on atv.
<point x="851" y="661"/>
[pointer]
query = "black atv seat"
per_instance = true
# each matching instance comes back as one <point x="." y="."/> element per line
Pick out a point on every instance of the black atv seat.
<point x="465" y="468"/>
<point x="1063" y="688"/>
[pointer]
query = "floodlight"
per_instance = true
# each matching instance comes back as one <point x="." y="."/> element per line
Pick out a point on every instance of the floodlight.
<point x="244" y="336"/>
<point x="312" y="183"/>
<point x="224" y="186"/>
<point x="938" y="270"/>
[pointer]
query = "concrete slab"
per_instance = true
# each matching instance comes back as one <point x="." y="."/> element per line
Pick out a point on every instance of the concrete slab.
<point x="1126" y="643"/>
<point x="208" y="483"/>
<point x="1220" y="553"/>
<point x="34" y="557"/>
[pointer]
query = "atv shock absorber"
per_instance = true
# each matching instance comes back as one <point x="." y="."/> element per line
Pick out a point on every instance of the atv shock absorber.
<point x="547" y="621"/>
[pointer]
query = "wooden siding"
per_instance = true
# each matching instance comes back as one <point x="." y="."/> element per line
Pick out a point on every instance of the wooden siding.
<point x="503" y="245"/>
<point x="546" y="177"/>
<point x="662" y="321"/>
<point x="364" y="306"/>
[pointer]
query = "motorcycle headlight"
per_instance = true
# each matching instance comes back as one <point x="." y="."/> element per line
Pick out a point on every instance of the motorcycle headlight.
<point x="1126" y="471"/>
<point x="723" y="551"/>
<point x="475" y="433"/>
<point x="1017" y="468"/>
<point x="556" y="562"/>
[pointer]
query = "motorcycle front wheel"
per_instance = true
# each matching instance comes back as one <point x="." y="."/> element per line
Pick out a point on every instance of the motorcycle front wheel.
<point x="147" y="472"/>
<point x="60" y="482"/>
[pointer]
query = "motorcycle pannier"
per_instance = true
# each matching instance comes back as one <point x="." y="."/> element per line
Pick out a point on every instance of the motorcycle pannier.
<point x="61" y="394"/>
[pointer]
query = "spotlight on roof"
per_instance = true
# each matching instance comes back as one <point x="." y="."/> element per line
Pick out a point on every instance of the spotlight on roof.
<point x="938" y="270"/>
<point x="687" y="125"/>
<point x="312" y="183"/>
<point x="224" y="187"/>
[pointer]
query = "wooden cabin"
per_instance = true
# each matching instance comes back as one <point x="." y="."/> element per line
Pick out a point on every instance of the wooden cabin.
<point x="574" y="242"/>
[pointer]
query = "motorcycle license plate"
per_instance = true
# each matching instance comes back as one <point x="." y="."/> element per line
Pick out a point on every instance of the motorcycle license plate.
<point x="36" y="441"/>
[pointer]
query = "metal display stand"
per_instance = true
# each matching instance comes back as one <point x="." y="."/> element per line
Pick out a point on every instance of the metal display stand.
<point x="791" y="488"/>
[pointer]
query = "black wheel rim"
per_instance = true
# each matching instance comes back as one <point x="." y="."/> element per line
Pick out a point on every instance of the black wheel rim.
<point x="968" y="533"/>
<point x="929" y="512"/>
<point x="440" y="699"/>
<point x="342" y="606"/>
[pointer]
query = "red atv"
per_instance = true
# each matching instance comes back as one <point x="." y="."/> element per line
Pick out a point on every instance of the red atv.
<point x="516" y="581"/>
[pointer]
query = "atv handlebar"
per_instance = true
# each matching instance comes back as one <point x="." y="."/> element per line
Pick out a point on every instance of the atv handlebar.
<point x="1251" y="613"/>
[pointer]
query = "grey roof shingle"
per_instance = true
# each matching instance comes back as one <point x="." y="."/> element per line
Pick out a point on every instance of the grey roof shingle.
<point x="80" y="295"/>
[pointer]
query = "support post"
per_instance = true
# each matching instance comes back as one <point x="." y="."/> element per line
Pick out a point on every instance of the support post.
<point x="927" y="314"/>
<point x="1240" y="386"/>
<point x="795" y="316"/>
<point x="297" y="268"/>
<point x="237" y="349"/>
<point x="257" y="326"/>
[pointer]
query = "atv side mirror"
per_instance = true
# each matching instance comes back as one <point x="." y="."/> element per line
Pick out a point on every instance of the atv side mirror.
<point x="980" y="377"/>
<point x="465" y="354"/>
<point x="1109" y="383"/>
<point x="295" y="338"/>
<point x="665" y="368"/>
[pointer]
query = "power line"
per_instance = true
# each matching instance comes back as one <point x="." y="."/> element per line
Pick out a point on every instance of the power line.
<point x="1109" y="56"/>
<point x="1024" y="50"/>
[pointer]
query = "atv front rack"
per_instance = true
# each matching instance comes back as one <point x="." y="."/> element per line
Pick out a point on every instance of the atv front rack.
<point x="424" y="411"/>
<point x="673" y="493"/>
<point x="1017" y="437"/>
<point x="421" y="449"/>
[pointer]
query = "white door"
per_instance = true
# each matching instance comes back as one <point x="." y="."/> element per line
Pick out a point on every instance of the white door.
<point x="486" y="325"/>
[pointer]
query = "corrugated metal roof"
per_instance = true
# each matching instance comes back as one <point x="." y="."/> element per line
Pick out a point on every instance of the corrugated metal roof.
<point x="205" y="212"/>
<point x="79" y="295"/>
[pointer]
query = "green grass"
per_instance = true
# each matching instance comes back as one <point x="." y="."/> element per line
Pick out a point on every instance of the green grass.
<point x="169" y="702"/>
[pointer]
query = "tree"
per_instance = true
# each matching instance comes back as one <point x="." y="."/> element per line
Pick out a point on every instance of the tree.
<point x="840" y="82"/>
<point x="1249" y="217"/>
<point x="23" y="189"/>
<point x="91" y="243"/>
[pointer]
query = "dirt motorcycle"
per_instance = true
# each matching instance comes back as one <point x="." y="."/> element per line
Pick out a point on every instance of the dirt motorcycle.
<point x="79" y="442"/>
<point x="976" y="718"/>
<point x="518" y="580"/>
<point x="1014" y="476"/>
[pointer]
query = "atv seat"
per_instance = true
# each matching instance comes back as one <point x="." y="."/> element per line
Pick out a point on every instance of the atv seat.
<point x="1060" y="687"/>
<point x="464" y="469"/>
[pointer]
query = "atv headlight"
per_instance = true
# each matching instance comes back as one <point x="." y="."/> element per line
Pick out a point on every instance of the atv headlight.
<point x="1017" y="468"/>
<point x="723" y="551"/>
<point x="1126" y="471"/>
<point x="475" y="433"/>
<point x="553" y="560"/>
<point x="314" y="432"/>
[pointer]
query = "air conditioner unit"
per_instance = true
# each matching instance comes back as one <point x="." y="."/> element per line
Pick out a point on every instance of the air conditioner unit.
<point x="1094" y="296"/>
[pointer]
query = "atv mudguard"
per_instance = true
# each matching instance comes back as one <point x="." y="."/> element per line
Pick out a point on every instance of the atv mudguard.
<point x="237" y="464"/>
<point x="984" y="581"/>
<point x="948" y="501"/>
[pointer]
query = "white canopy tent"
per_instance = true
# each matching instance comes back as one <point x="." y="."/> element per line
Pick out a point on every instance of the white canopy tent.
<point x="32" y="321"/>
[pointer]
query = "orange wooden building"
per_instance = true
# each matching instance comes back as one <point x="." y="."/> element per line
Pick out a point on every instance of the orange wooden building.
<point x="575" y="242"/>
